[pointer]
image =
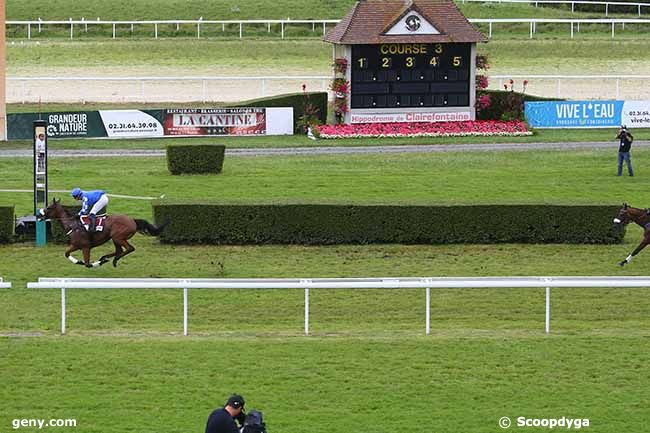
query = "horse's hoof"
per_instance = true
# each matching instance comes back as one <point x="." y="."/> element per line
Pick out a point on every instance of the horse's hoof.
<point x="81" y="263"/>
<point x="621" y="264"/>
<point x="89" y="265"/>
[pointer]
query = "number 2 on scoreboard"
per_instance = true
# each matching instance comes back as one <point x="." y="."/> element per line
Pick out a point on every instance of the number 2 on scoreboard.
<point x="386" y="62"/>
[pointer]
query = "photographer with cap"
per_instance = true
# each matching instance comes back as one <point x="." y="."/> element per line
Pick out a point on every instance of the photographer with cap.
<point x="222" y="420"/>
<point x="625" y="143"/>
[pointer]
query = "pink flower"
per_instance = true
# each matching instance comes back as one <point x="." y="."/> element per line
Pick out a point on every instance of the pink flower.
<point x="304" y="87"/>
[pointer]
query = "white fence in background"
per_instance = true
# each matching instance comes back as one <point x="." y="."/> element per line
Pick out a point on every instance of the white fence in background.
<point x="122" y="27"/>
<point x="307" y="284"/>
<point x="4" y="285"/>
<point x="568" y="2"/>
<point x="232" y="89"/>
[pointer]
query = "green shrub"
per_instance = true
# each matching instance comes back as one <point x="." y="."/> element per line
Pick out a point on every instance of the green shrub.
<point x="7" y="224"/>
<point x="506" y="105"/>
<point x="295" y="100"/>
<point x="195" y="159"/>
<point x="353" y="224"/>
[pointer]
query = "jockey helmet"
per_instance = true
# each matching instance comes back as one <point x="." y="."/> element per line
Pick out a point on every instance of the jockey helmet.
<point x="76" y="192"/>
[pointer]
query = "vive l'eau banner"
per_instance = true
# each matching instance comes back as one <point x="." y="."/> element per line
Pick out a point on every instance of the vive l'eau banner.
<point x="588" y="114"/>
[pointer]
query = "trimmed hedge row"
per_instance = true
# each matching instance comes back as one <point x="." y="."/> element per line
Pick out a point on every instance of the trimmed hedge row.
<point x="354" y="224"/>
<point x="195" y="158"/>
<point x="7" y="224"/>
<point x="295" y="100"/>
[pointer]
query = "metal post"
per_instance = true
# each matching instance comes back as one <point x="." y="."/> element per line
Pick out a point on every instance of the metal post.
<point x="639" y="9"/>
<point x="268" y="27"/>
<point x="155" y="29"/>
<point x="113" y="30"/>
<point x="131" y="28"/>
<point x="548" y="310"/>
<point x="606" y="8"/>
<point x="63" y="311"/>
<point x="573" y="5"/>
<point x="325" y="27"/>
<point x="71" y="29"/>
<point x="282" y="29"/>
<point x="29" y="31"/>
<point x="531" y="30"/>
<point x="185" y="311"/>
<point x="490" y="30"/>
<point x="428" y="311"/>
<point x="613" y="29"/>
<point x="241" y="30"/>
<point x="198" y="30"/>
<point x="571" y="30"/>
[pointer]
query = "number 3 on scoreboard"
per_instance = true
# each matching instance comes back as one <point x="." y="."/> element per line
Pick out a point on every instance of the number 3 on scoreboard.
<point x="386" y="62"/>
<point x="410" y="62"/>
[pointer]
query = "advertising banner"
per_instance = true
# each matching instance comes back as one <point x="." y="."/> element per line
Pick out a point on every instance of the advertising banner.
<point x="216" y="121"/>
<point x="588" y="114"/>
<point x="155" y="123"/>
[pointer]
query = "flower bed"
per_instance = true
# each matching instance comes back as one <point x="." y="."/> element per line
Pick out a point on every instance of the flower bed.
<point x="439" y="129"/>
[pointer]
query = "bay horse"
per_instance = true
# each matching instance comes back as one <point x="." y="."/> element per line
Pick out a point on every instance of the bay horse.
<point x="629" y="214"/>
<point x="117" y="228"/>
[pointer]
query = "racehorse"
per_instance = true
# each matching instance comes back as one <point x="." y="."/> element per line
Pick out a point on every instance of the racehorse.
<point x="629" y="214"/>
<point x="118" y="228"/>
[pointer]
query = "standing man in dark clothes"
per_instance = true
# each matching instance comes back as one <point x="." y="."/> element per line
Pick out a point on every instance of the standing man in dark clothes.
<point x="222" y="420"/>
<point x="624" y="150"/>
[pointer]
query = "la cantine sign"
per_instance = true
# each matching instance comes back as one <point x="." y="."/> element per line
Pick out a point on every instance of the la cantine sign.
<point x="408" y="61"/>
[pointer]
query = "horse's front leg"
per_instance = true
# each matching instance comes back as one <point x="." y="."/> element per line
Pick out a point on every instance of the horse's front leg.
<point x="73" y="259"/>
<point x="642" y="245"/>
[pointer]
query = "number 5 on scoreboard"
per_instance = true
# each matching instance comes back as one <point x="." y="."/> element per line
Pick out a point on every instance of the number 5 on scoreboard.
<point x="456" y="61"/>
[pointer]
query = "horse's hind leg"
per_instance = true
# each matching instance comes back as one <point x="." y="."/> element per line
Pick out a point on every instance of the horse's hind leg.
<point x="128" y="249"/>
<point x="73" y="259"/>
<point x="118" y="251"/>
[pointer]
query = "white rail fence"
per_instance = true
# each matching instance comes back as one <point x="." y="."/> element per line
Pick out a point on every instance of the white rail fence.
<point x="4" y="285"/>
<point x="308" y="284"/>
<point x="201" y="25"/>
<point x="232" y="89"/>
<point x="568" y="2"/>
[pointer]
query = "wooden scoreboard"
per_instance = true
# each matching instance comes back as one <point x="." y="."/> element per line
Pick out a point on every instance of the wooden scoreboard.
<point x="410" y="75"/>
<point x="407" y="61"/>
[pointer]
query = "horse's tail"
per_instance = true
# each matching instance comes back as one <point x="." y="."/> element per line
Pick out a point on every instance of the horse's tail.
<point x="143" y="226"/>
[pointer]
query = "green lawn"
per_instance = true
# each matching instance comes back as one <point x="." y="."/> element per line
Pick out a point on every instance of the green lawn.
<point x="251" y="57"/>
<point x="248" y="9"/>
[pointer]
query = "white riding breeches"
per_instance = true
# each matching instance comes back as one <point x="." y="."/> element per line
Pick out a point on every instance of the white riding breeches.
<point x="101" y="204"/>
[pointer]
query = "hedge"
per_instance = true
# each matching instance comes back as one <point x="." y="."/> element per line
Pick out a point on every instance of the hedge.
<point x="195" y="159"/>
<point x="500" y="104"/>
<point x="7" y="224"/>
<point x="355" y="224"/>
<point x="598" y="7"/>
<point x="295" y="100"/>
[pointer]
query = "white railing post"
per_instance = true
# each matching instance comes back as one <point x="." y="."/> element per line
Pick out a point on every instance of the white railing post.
<point x="71" y="29"/>
<point x="571" y="30"/>
<point x="63" y="311"/>
<point x="306" y="282"/>
<point x="548" y="310"/>
<point x="573" y="7"/>
<point x="606" y="9"/>
<point x="531" y="30"/>
<point x="29" y="31"/>
<point x="198" y="28"/>
<point x="39" y="24"/>
<point x="113" y="30"/>
<point x="427" y="320"/>
<point x="241" y="30"/>
<point x="155" y="30"/>
<point x="185" y="311"/>
<point x="490" y="30"/>
<point x="282" y="29"/>
<point x="613" y="25"/>
<point x="325" y="26"/>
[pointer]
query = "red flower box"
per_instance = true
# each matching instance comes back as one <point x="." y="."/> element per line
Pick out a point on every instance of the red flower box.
<point x="437" y="129"/>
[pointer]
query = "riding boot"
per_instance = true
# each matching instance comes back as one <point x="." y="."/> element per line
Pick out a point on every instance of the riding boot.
<point x="91" y="227"/>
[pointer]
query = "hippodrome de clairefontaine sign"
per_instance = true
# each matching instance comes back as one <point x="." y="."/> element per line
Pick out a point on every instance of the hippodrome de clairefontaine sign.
<point x="409" y="61"/>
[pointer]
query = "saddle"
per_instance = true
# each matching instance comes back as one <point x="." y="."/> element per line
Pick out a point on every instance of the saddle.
<point x="99" y="222"/>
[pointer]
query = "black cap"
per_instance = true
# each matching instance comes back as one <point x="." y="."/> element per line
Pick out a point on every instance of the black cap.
<point x="236" y="401"/>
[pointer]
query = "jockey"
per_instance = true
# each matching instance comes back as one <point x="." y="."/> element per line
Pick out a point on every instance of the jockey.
<point x="92" y="203"/>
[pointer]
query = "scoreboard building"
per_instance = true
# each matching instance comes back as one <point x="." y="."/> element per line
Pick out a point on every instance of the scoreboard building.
<point x="408" y="61"/>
